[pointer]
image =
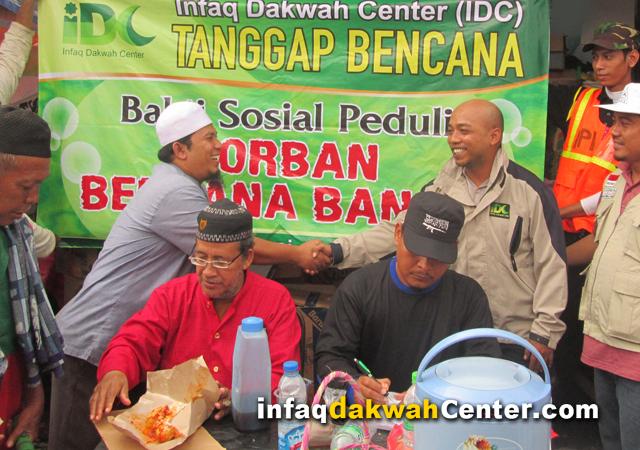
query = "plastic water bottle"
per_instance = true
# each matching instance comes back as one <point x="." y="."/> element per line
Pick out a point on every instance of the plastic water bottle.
<point x="251" y="375"/>
<point x="410" y="397"/>
<point x="349" y="434"/>
<point x="291" y="385"/>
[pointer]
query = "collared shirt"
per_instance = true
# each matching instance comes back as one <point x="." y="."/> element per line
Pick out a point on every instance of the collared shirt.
<point x="147" y="246"/>
<point x="631" y="189"/>
<point x="179" y="323"/>
<point x="475" y="192"/>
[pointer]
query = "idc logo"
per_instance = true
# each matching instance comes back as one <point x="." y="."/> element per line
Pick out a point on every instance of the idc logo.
<point x="97" y="24"/>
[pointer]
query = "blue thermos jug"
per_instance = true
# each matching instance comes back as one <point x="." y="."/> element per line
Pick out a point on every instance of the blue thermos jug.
<point x="479" y="380"/>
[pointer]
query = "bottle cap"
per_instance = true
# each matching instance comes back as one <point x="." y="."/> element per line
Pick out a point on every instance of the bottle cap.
<point x="24" y="442"/>
<point x="290" y="366"/>
<point x="414" y="377"/>
<point x="252" y="324"/>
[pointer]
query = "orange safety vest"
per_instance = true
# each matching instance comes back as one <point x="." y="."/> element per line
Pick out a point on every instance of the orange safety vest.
<point x="586" y="160"/>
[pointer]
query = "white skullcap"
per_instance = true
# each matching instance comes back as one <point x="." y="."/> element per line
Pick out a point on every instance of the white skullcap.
<point x="180" y="119"/>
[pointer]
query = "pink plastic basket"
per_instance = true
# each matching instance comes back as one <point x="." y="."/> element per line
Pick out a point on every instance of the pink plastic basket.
<point x="358" y="397"/>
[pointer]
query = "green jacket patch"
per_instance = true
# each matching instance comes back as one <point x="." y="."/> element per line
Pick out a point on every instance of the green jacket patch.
<point x="501" y="210"/>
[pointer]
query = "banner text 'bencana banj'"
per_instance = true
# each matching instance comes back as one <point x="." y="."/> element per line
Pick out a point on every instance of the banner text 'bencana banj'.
<point x="332" y="113"/>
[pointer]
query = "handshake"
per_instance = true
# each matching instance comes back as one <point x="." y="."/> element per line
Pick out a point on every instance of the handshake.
<point x="312" y="256"/>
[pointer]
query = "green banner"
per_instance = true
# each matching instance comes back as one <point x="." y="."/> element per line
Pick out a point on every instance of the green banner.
<point x="331" y="112"/>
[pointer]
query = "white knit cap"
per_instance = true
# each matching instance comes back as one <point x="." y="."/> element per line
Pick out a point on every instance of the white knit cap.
<point x="180" y="119"/>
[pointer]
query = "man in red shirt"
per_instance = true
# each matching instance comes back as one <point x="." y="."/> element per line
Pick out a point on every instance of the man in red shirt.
<point x="199" y="314"/>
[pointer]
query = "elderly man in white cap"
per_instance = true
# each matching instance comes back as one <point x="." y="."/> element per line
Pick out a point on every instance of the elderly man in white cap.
<point x="610" y="305"/>
<point x="147" y="246"/>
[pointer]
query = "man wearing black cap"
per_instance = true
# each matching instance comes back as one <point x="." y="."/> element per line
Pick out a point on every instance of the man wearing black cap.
<point x="199" y="314"/>
<point x="30" y="342"/>
<point x="511" y="243"/>
<point x="389" y="314"/>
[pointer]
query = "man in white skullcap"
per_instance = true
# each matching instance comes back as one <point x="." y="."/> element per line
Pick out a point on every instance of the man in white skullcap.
<point x="147" y="246"/>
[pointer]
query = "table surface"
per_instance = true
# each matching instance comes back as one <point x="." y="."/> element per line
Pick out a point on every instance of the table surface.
<point x="231" y="439"/>
<point x="225" y="433"/>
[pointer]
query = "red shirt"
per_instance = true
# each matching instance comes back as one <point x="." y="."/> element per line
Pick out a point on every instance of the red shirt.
<point x="630" y="189"/>
<point x="179" y="323"/>
<point x="624" y="363"/>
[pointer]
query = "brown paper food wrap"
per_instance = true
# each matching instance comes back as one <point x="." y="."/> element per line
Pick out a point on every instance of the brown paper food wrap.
<point x="114" y="439"/>
<point x="188" y="390"/>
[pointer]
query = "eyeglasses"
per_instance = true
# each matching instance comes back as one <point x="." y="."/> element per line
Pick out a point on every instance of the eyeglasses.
<point x="217" y="263"/>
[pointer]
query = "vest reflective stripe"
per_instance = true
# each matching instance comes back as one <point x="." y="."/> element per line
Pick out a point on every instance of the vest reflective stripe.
<point x="584" y="102"/>
<point x="603" y="163"/>
<point x="573" y="104"/>
<point x="586" y="159"/>
<point x="576" y="156"/>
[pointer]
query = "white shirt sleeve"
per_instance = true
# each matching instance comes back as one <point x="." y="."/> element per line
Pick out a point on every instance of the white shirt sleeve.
<point x="43" y="239"/>
<point x="14" y="53"/>
<point x="590" y="204"/>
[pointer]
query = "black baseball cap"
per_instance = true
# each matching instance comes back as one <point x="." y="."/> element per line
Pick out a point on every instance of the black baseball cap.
<point x="432" y="226"/>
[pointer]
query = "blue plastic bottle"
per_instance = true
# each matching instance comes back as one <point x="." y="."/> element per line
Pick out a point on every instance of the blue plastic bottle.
<point x="291" y="385"/>
<point x="251" y="375"/>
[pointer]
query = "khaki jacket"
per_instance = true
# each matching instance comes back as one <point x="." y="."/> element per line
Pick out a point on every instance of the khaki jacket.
<point x="610" y="305"/>
<point x="14" y="54"/>
<point x="512" y="244"/>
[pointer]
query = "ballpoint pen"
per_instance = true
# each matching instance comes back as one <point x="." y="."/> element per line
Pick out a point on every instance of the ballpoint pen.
<point x="365" y="370"/>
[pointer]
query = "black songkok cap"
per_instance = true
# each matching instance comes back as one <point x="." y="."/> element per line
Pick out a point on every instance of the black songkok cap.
<point x="24" y="133"/>
<point x="224" y="221"/>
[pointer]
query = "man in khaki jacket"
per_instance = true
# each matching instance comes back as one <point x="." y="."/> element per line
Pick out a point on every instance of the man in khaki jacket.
<point x="610" y="305"/>
<point x="512" y="241"/>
